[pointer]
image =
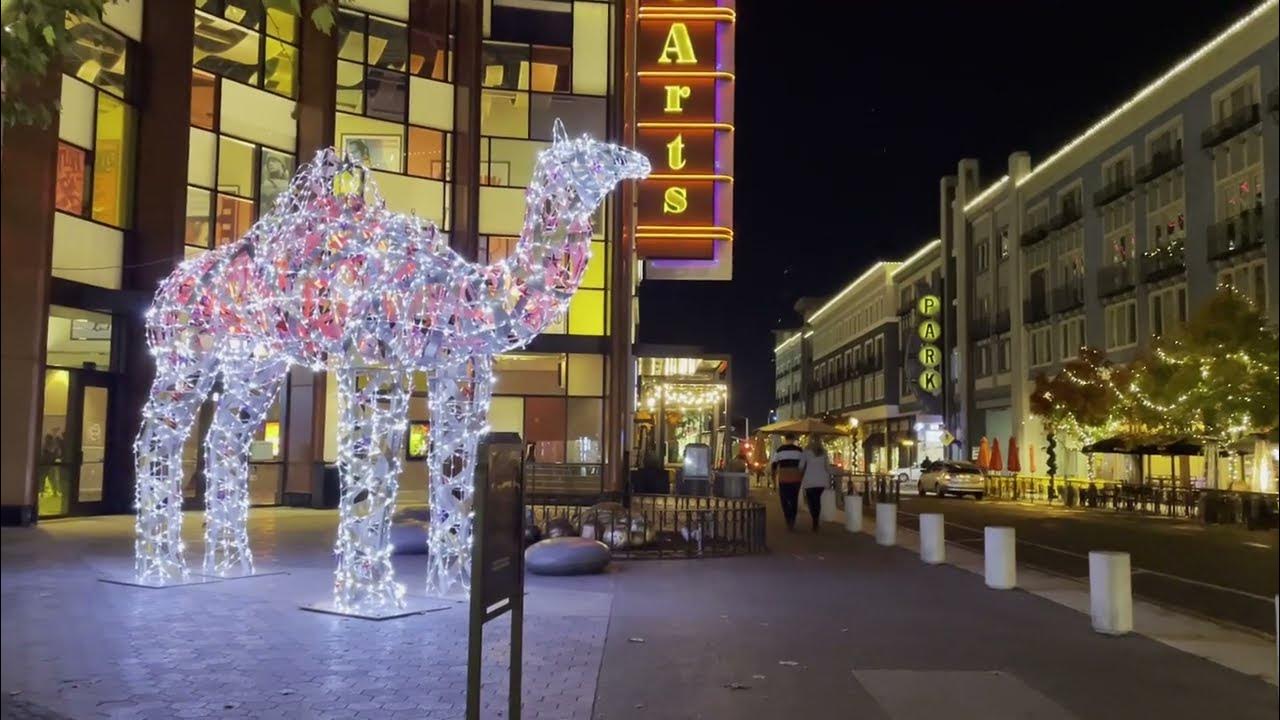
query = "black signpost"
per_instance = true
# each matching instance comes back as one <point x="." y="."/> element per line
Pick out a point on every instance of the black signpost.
<point x="497" y="561"/>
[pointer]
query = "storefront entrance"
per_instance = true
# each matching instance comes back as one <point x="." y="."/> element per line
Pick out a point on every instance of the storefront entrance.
<point x="75" y="445"/>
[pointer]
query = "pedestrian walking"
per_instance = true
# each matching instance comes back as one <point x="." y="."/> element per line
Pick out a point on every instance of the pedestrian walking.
<point x="815" y="476"/>
<point x="785" y="471"/>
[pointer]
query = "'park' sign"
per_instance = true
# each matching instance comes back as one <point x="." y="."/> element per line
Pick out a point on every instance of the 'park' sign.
<point x="930" y="355"/>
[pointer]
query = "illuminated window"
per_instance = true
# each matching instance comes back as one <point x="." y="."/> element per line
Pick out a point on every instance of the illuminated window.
<point x="238" y="39"/>
<point x="113" y="159"/>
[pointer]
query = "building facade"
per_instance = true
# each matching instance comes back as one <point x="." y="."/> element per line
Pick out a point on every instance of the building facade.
<point x="1113" y="241"/>
<point x="180" y="123"/>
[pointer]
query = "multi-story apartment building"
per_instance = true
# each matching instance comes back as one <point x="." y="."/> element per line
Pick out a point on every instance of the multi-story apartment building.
<point x="1111" y="241"/>
<point x="856" y="357"/>
<point x="178" y="125"/>
<point x="1117" y="237"/>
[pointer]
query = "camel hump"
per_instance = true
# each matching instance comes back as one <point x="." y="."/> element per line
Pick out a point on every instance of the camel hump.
<point x="330" y="173"/>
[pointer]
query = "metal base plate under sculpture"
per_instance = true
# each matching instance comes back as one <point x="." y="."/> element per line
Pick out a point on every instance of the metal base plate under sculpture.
<point x="242" y="576"/>
<point x="411" y="607"/>
<point x="131" y="581"/>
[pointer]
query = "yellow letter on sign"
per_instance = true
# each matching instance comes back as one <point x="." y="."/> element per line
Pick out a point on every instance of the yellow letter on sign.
<point x="678" y="44"/>
<point x="675" y="153"/>
<point x="675" y="200"/>
<point x="676" y="94"/>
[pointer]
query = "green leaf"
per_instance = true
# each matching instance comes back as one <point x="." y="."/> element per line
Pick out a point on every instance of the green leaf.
<point x="49" y="36"/>
<point x="323" y="18"/>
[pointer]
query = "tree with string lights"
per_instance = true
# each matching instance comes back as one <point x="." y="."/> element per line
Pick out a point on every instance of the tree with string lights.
<point x="1081" y="403"/>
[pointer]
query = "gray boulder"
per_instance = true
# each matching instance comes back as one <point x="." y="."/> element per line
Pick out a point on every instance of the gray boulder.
<point x="566" y="556"/>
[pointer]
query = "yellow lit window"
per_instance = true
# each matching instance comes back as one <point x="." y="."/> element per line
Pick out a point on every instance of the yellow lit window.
<point x="586" y="313"/>
<point x="113" y="162"/>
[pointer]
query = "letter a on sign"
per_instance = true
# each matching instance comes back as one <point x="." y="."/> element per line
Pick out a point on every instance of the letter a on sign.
<point x="678" y="45"/>
<point x="930" y="331"/>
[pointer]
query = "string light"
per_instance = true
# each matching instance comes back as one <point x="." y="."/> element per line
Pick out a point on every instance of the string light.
<point x="332" y="280"/>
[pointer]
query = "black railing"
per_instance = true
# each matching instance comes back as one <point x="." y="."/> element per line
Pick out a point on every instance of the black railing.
<point x="1159" y="497"/>
<point x="1161" y="162"/>
<point x="1112" y="191"/>
<point x="1115" y="279"/>
<point x="1035" y="234"/>
<point x="1002" y="322"/>
<point x="564" y="480"/>
<point x="1231" y="126"/>
<point x="980" y="328"/>
<point x="1068" y="297"/>
<point x="1034" y="310"/>
<point x="1067" y="215"/>
<point x="1165" y="262"/>
<point x="657" y="526"/>
<point x="871" y="488"/>
<point x="1237" y="234"/>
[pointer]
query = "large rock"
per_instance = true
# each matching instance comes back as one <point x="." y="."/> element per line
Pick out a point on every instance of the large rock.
<point x="566" y="556"/>
<point x="409" y="530"/>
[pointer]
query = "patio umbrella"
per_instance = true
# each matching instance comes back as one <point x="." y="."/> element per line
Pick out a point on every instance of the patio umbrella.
<point x="984" y="453"/>
<point x="1014" y="465"/>
<point x="1031" y="458"/>
<point x="997" y="463"/>
<point x="805" y="426"/>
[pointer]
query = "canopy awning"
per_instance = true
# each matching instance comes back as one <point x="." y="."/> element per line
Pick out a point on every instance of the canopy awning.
<point x="803" y="426"/>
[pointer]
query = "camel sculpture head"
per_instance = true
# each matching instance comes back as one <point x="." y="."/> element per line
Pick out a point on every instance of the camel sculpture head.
<point x="587" y="168"/>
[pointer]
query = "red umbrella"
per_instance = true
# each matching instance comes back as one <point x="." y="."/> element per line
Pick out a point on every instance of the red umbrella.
<point x="997" y="463"/>
<point x="1013" y="465"/>
<point x="984" y="453"/>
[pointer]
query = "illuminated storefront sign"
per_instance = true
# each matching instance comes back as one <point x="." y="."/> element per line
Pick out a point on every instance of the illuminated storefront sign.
<point x="930" y="355"/>
<point x="684" y="123"/>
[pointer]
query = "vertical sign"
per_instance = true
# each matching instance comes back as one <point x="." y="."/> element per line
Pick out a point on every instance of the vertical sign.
<point x="930" y="355"/>
<point x="683" y="89"/>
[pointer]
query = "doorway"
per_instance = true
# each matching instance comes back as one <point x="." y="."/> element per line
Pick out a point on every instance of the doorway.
<point x="75" y="445"/>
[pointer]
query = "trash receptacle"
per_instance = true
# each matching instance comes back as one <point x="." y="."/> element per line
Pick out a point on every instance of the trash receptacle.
<point x="332" y="487"/>
<point x="732" y="484"/>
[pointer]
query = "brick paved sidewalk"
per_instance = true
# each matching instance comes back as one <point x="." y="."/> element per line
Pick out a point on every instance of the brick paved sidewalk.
<point x="75" y="647"/>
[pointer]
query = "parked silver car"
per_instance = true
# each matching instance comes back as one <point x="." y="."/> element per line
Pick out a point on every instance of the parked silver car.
<point x="953" y="477"/>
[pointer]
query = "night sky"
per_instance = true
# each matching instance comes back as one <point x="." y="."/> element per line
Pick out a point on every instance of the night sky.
<point x="846" y="123"/>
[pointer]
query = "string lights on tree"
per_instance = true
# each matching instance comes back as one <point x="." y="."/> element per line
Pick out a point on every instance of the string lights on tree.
<point x="332" y="280"/>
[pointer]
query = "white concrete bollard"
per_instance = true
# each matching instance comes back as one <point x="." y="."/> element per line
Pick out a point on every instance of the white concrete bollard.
<point x="886" y="523"/>
<point x="1110" y="592"/>
<point x="853" y="513"/>
<point x="999" y="558"/>
<point x="933" y="543"/>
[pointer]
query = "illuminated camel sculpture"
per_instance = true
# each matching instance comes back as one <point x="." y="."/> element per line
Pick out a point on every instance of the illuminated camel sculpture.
<point x="331" y="279"/>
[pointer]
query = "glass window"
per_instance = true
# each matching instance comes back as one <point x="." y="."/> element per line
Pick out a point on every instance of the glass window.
<point x="544" y="427"/>
<point x="586" y="374"/>
<point x="72" y="186"/>
<point x="587" y="313"/>
<point x="273" y="177"/>
<point x="550" y="69"/>
<point x="579" y="115"/>
<point x="426" y="153"/>
<point x="96" y="54"/>
<point x="388" y="44"/>
<point x="280" y="70"/>
<point x="584" y="430"/>
<point x="77" y="338"/>
<point x="350" y="91"/>
<point x="429" y="39"/>
<point x="225" y="48"/>
<point x="505" y="113"/>
<point x="510" y="162"/>
<point x="505" y="65"/>
<point x="235" y="217"/>
<point x="199" y="223"/>
<point x="386" y="94"/>
<point x="529" y="374"/>
<point x="113" y="162"/>
<point x="351" y="34"/>
<point x="204" y="101"/>
<point x="236" y="164"/>
<point x="201" y="158"/>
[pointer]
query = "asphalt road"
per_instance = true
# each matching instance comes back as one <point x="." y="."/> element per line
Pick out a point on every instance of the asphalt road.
<point x="1225" y="573"/>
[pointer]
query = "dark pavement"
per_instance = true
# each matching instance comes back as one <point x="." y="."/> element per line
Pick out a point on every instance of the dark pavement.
<point x="875" y="633"/>
<point x="1222" y="572"/>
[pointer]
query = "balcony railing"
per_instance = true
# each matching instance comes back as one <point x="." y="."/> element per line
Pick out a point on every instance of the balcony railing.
<point x="1068" y="297"/>
<point x="1160" y="163"/>
<point x="980" y="328"/>
<point x="1165" y="262"/>
<point x="1035" y="234"/>
<point x="1034" y="310"/>
<point x="1115" y="279"/>
<point x="1067" y="215"/>
<point x="1112" y="191"/>
<point x="1002" y="323"/>
<point x="1239" y="233"/>
<point x="1231" y="126"/>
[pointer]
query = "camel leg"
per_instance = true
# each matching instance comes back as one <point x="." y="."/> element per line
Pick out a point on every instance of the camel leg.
<point x="180" y="386"/>
<point x="249" y="387"/>
<point x="371" y="436"/>
<point x="459" y="401"/>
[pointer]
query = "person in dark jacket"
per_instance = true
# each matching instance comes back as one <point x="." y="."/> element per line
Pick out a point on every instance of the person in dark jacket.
<point x="785" y="469"/>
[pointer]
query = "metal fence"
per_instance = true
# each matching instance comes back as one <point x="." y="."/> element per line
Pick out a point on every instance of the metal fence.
<point x="872" y="488"/>
<point x="1160" y="497"/>
<point x="658" y="526"/>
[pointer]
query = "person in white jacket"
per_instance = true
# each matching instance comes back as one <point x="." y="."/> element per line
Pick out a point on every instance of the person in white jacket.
<point x="815" y="476"/>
